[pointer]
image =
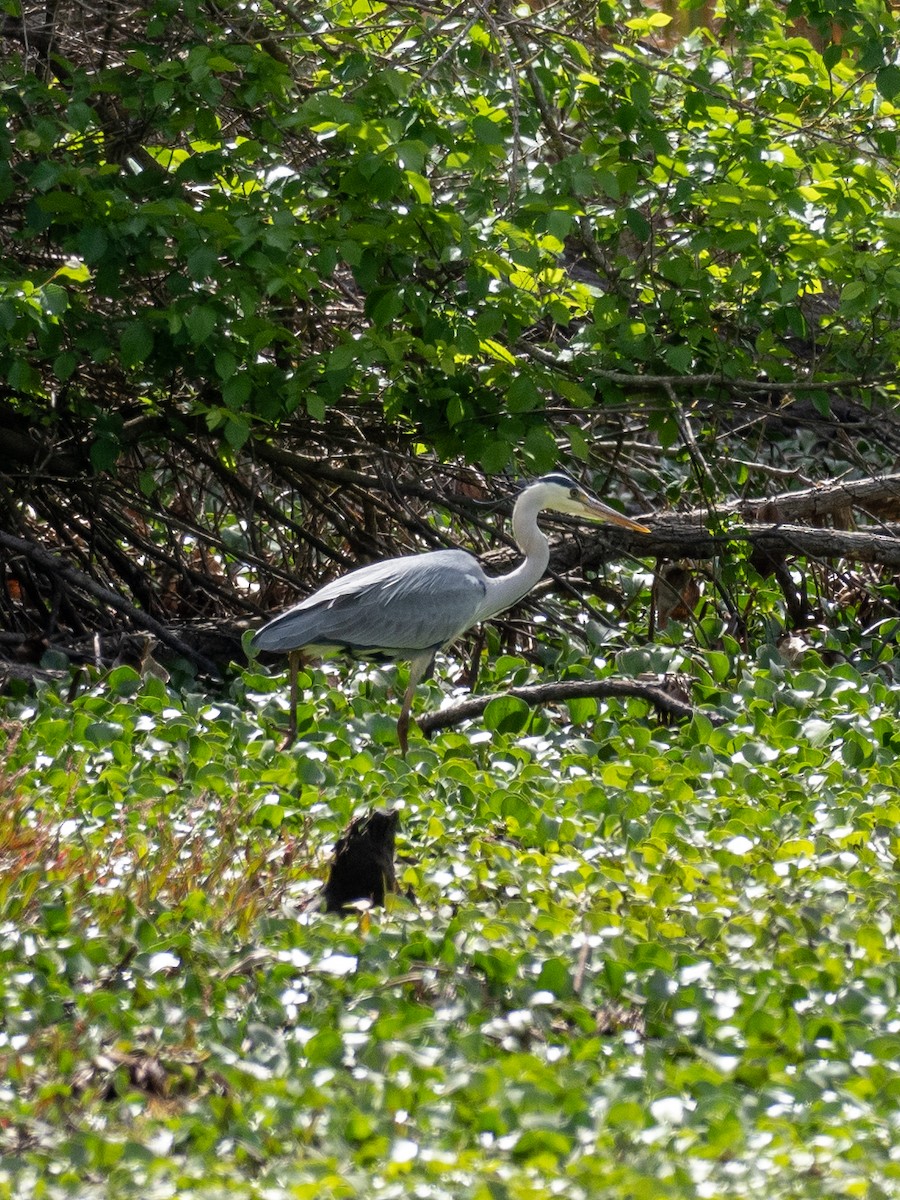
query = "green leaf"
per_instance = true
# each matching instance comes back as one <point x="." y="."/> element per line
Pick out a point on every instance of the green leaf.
<point x="103" y="733"/>
<point x="516" y="808"/>
<point x="105" y="451"/>
<point x="384" y="305"/>
<point x="582" y="710"/>
<point x="574" y="391"/>
<point x="236" y="391"/>
<point x="92" y="243"/>
<point x="637" y="222"/>
<point x="523" y="396"/>
<point x="135" y="343"/>
<point x="226" y="364"/>
<point x="885" y="1047"/>
<point x="578" y="443"/>
<point x="852" y="291"/>
<point x="488" y="132"/>
<point x="419" y="186"/>
<point x="679" y="358"/>
<point x="270" y="815"/>
<point x="201" y="322"/>
<point x="315" y="406"/>
<point x="887" y="80"/>
<point x="64" y="365"/>
<point x="237" y="431"/>
<point x="123" y="681"/>
<point x="718" y="664"/>
<point x="555" y="976"/>
<point x="495" y="455"/>
<point x="54" y="299"/>
<point x="507" y="714"/>
<point x="540" y="449"/>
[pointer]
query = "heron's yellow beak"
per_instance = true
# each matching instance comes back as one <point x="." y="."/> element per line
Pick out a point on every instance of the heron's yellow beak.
<point x="602" y="512"/>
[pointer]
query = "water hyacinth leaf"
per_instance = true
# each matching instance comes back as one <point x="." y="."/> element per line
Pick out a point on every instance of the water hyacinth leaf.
<point x="506" y="714"/>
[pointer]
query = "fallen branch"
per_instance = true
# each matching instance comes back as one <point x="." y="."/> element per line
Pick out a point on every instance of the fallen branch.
<point x="666" y="704"/>
<point x="877" y="494"/>
<point x="676" y="537"/>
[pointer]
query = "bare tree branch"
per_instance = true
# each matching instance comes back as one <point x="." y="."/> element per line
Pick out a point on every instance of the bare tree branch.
<point x="674" y="537"/>
<point x="656" y="694"/>
<point x="873" y="495"/>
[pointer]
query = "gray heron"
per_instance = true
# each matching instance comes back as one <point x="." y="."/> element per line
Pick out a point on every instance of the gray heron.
<point x="411" y="607"/>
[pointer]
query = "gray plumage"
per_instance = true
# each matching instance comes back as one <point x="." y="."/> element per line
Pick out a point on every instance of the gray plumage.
<point x="396" y="608"/>
<point x="409" y="608"/>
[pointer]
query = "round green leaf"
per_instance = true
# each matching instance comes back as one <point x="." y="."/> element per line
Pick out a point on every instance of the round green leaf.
<point x="507" y="714"/>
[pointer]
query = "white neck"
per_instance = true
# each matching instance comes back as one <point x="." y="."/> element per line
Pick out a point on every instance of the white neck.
<point x="504" y="590"/>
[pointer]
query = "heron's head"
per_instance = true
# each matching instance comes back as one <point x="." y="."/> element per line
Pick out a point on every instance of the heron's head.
<point x="562" y="494"/>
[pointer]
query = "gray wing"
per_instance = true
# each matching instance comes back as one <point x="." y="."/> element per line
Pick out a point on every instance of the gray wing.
<point x="401" y="607"/>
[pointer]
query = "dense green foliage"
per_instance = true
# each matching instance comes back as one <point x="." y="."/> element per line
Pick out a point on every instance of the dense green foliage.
<point x="480" y="226"/>
<point x="643" y="961"/>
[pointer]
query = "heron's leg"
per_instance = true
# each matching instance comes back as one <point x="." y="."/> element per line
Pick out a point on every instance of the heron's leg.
<point x="419" y="669"/>
<point x="403" y="727"/>
<point x="294" y="659"/>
